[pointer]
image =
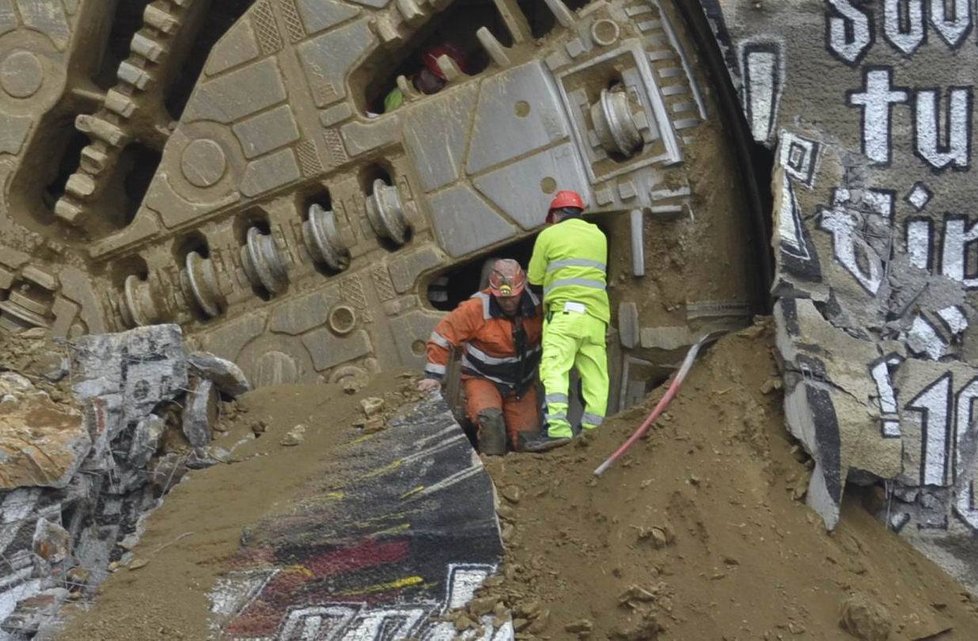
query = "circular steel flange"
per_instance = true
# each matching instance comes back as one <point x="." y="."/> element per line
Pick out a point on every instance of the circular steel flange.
<point x="385" y="214"/>
<point x="614" y="124"/>
<point x="200" y="282"/>
<point x="263" y="262"/>
<point x="323" y="239"/>
<point x="138" y="307"/>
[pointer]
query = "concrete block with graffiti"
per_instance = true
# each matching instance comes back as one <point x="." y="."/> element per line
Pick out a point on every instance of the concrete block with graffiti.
<point x="868" y="108"/>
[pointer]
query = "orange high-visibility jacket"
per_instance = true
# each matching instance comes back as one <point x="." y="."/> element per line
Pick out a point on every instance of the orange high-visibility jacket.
<point x="491" y="342"/>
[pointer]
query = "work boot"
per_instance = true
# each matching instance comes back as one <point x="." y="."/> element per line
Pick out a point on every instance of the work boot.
<point x="492" y="432"/>
<point x="542" y="442"/>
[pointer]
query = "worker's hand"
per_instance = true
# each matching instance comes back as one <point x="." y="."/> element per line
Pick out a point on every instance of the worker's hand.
<point x="428" y="385"/>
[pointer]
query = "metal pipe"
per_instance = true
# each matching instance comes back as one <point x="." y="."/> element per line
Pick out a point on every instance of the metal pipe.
<point x="638" y="243"/>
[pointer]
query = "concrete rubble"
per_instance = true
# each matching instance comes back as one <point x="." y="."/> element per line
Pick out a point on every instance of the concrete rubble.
<point x="79" y="475"/>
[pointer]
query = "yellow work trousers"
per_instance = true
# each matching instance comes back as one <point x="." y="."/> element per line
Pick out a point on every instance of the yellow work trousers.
<point x="574" y="340"/>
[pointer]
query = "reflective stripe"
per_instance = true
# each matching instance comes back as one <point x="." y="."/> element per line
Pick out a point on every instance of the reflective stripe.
<point x="592" y="419"/>
<point x="478" y="354"/>
<point x="556" y="416"/>
<point x="576" y="262"/>
<point x="467" y="364"/>
<point x="439" y="340"/>
<point x="434" y="368"/>
<point x="557" y="398"/>
<point x="581" y="282"/>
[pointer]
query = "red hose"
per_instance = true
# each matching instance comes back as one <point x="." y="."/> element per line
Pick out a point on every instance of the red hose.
<point x="671" y="392"/>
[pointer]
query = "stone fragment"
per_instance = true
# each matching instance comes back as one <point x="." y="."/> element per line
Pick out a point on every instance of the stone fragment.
<point x="373" y="425"/>
<point x="200" y="413"/>
<point x="146" y="440"/>
<point x="14" y="384"/>
<point x="41" y="444"/>
<point x="540" y="623"/>
<point x="227" y="376"/>
<point x="168" y="470"/>
<point x="865" y="619"/>
<point x="577" y="627"/>
<point x="51" y="542"/>
<point x="511" y="493"/>
<point x="371" y="405"/>
<point x="294" y="436"/>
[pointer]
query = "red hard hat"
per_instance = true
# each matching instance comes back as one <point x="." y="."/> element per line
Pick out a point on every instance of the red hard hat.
<point x="431" y="56"/>
<point x="563" y="199"/>
<point x="507" y="278"/>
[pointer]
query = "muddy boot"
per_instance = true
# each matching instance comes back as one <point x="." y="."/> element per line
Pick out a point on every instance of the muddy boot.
<point x="543" y="442"/>
<point x="492" y="432"/>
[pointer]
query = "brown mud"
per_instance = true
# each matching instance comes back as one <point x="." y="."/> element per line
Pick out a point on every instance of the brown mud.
<point x="698" y="533"/>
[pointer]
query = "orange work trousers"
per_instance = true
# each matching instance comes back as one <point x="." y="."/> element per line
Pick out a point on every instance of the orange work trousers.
<point x="520" y="414"/>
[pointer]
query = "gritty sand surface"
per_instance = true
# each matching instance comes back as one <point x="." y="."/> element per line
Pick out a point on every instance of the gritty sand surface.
<point x="699" y="533"/>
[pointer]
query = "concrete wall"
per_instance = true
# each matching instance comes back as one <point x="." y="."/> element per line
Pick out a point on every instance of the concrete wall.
<point x="868" y="108"/>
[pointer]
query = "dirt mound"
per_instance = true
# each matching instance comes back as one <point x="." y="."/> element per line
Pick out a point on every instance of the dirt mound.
<point x="699" y="532"/>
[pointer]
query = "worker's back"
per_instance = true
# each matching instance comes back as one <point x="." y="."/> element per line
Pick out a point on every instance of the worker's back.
<point x="570" y="262"/>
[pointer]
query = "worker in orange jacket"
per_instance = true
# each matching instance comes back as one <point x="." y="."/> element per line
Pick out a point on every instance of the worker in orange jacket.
<point x="500" y="329"/>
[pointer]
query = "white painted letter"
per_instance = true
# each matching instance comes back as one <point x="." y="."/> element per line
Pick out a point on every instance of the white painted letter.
<point x="954" y="147"/>
<point x="850" y="35"/>
<point x="877" y="100"/>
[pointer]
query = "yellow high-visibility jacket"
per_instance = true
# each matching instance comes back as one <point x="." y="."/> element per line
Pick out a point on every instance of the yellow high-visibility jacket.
<point x="570" y="261"/>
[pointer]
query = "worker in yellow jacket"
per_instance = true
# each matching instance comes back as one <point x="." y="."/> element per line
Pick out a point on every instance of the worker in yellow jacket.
<point x="569" y="263"/>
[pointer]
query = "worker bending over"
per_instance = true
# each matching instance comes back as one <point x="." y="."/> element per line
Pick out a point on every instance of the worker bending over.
<point x="500" y="329"/>
<point x="569" y="262"/>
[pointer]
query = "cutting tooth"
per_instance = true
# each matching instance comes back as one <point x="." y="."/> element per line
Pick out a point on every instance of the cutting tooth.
<point x="515" y="20"/>
<point x="410" y="10"/>
<point x="410" y="93"/>
<point x="562" y="12"/>
<point x="493" y="47"/>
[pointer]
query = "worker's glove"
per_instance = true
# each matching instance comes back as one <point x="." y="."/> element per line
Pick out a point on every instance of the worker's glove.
<point x="428" y="385"/>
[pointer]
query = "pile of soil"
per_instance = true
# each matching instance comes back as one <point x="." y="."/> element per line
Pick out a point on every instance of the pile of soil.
<point x="700" y="532"/>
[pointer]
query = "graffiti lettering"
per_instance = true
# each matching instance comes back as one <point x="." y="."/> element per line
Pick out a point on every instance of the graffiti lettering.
<point x="880" y="371"/>
<point x="903" y="24"/>
<point x="959" y="238"/>
<point x="877" y="100"/>
<point x="965" y="453"/>
<point x="761" y="68"/>
<point x="954" y="28"/>
<point x="934" y="405"/>
<point x="953" y="147"/>
<point x="850" y="224"/>
<point x="849" y="31"/>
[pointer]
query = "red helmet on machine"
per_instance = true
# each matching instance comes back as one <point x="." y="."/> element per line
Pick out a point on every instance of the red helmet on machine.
<point x="431" y="56"/>
<point x="564" y="199"/>
<point x="507" y="278"/>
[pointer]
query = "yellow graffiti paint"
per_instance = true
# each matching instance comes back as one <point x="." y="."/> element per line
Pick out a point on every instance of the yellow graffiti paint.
<point x="397" y="584"/>
<point x="412" y="492"/>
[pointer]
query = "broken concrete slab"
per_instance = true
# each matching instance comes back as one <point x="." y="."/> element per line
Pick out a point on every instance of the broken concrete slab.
<point x="146" y="440"/>
<point x="32" y="612"/>
<point x="200" y="413"/>
<point x="829" y="403"/>
<point x="226" y="375"/>
<point x="145" y="366"/>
